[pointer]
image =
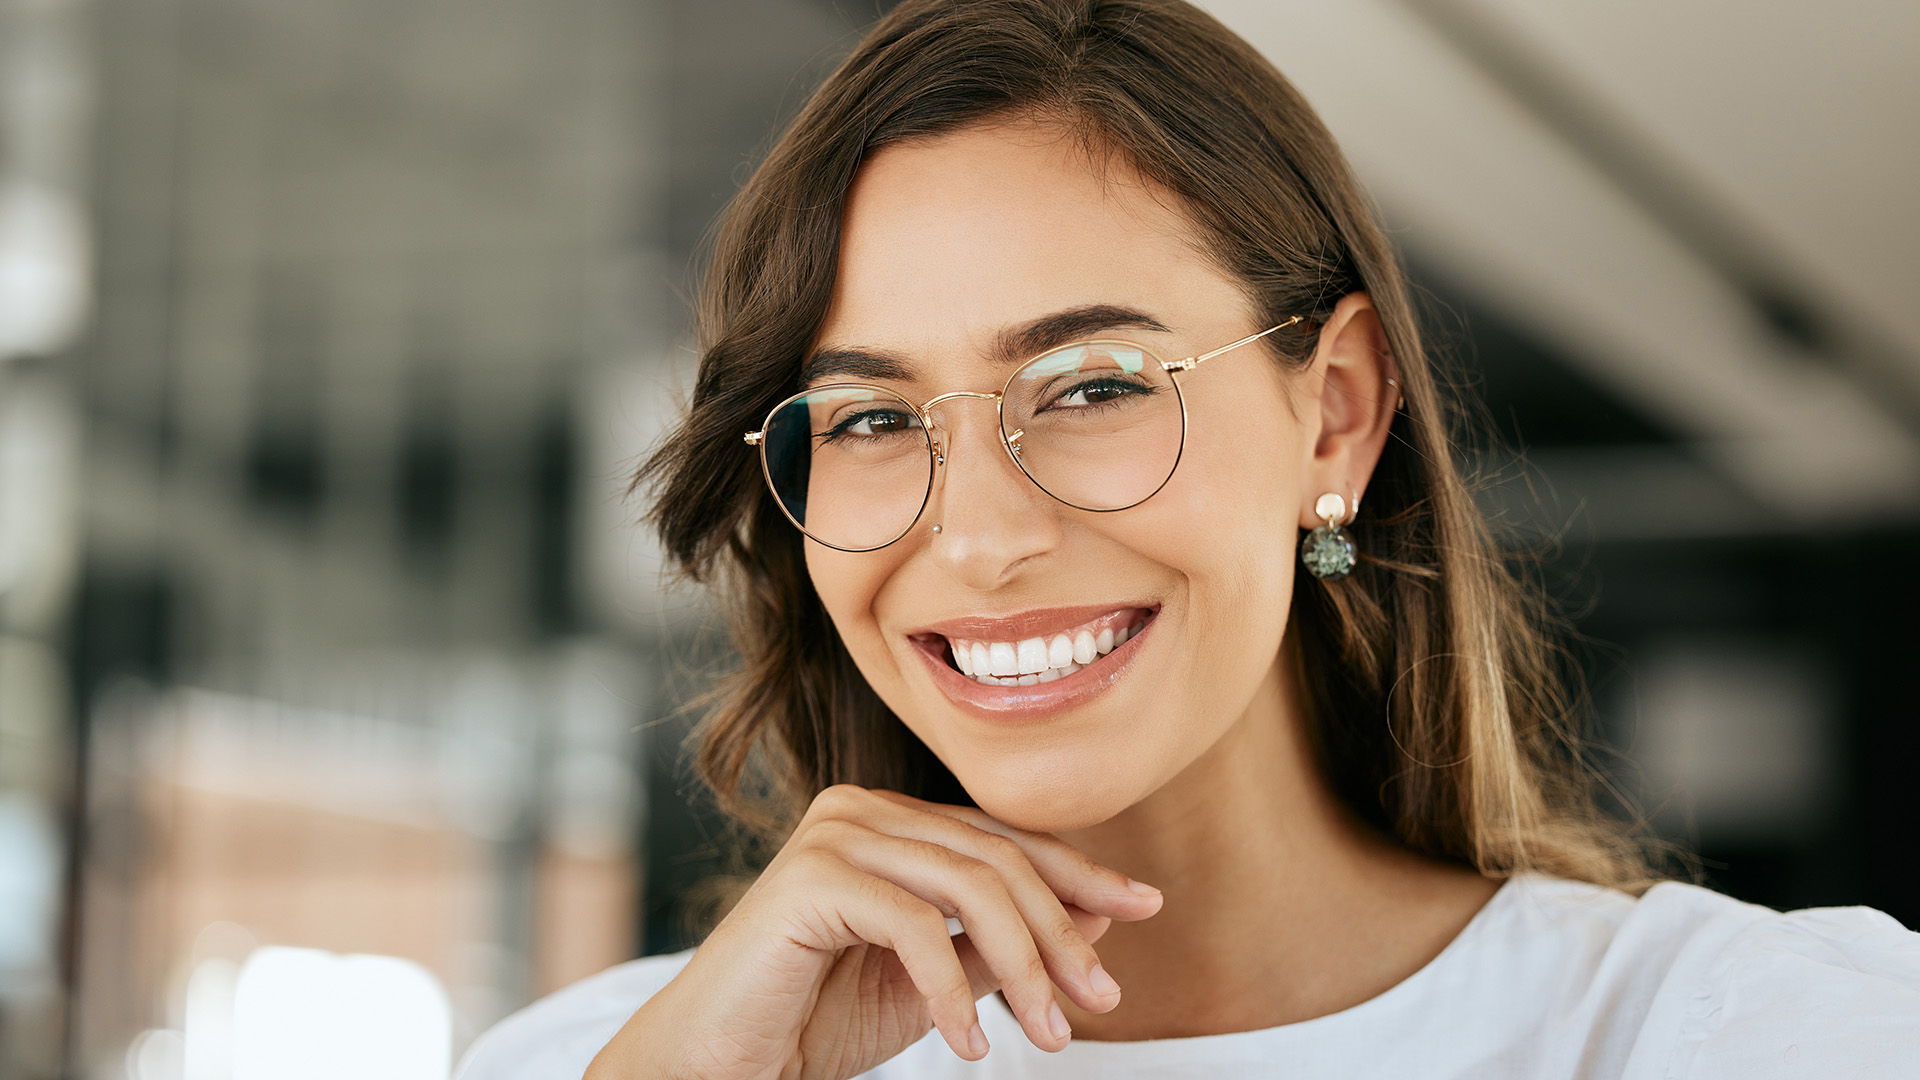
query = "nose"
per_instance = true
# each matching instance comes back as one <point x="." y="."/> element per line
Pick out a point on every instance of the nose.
<point x="993" y="519"/>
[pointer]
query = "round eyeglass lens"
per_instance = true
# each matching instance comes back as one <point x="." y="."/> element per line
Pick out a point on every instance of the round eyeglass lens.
<point x="851" y="465"/>
<point x="1098" y="425"/>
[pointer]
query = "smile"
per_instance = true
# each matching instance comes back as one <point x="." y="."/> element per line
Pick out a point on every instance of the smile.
<point x="1054" y="660"/>
<point x="1041" y="658"/>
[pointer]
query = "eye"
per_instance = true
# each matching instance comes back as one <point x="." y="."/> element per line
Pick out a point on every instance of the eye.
<point x="1101" y="391"/>
<point x="869" y="423"/>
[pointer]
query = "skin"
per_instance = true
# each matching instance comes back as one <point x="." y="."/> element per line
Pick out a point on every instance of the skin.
<point x="1191" y="772"/>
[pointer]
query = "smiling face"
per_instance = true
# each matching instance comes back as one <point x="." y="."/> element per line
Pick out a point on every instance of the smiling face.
<point x="1143" y="634"/>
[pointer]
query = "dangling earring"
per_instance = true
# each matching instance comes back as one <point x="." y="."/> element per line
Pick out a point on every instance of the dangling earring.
<point x="1328" y="552"/>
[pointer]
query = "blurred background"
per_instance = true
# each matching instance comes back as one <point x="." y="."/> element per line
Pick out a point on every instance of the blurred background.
<point x="335" y="682"/>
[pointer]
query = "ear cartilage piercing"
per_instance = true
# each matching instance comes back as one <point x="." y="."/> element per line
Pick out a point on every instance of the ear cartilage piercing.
<point x="1328" y="552"/>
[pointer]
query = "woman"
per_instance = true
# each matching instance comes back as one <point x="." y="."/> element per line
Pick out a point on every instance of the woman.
<point x="1055" y="372"/>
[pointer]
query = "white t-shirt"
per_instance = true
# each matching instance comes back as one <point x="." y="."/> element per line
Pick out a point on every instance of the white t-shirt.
<point x="1551" y="979"/>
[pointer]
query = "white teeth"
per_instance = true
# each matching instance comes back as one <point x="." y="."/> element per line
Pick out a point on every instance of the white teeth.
<point x="1035" y="660"/>
<point x="1033" y="656"/>
<point x="1002" y="659"/>
<point x="1059" y="651"/>
<point x="1084" y="649"/>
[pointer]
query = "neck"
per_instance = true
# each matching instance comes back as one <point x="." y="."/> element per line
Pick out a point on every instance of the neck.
<point x="1279" y="906"/>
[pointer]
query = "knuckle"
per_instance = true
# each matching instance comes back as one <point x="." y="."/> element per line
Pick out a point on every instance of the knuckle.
<point x="815" y="865"/>
<point x="1034" y="971"/>
<point x="924" y="919"/>
<point x="830" y="833"/>
<point x="1059" y="927"/>
<point x="974" y="873"/>
<point x="838" y="799"/>
<point x="955" y="987"/>
<point x="1002" y="850"/>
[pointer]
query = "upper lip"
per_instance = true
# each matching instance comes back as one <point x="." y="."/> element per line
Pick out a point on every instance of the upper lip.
<point x="1018" y="625"/>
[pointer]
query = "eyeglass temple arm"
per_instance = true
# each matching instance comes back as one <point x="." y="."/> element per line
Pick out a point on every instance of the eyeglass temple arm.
<point x="1192" y="362"/>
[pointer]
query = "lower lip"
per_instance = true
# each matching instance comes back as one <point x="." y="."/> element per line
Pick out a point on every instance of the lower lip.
<point x="1013" y="703"/>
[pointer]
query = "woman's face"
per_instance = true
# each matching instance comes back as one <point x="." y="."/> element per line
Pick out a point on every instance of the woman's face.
<point x="952" y="248"/>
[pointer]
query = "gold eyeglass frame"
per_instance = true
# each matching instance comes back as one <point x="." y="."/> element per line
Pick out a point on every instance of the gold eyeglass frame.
<point x="1009" y="443"/>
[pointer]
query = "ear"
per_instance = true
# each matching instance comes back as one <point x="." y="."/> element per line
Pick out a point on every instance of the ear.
<point x="1352" y="394"/>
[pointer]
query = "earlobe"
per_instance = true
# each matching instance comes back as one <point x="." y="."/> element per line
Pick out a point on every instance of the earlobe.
<point x="1358" y="395"/>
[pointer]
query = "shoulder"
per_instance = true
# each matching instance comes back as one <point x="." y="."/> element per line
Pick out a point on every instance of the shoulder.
<point x="1828" y="990"/>
<point x="1687" y="982"/>
<point x="559" y="1034"/>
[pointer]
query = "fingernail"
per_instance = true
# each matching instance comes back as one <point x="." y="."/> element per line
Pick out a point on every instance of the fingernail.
<point x="1057" y="1020"/>
<point x="977" y="1041"/>
<point x="1141" y="888"/>
<point x="1102" y="982"/>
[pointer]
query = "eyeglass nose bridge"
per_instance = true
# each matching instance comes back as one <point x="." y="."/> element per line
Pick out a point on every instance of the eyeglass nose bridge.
<point x="939" y="448"/>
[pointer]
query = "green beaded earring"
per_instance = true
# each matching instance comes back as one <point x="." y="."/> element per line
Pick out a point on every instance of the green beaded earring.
<point x="1328" y="552"/>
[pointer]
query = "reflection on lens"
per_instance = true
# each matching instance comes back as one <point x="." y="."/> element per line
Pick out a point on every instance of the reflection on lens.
<point x="850" y="465"/>
<point x="1098" y="425"/>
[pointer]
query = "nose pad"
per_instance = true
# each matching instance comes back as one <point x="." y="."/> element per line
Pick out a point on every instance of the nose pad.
<point x="941" y="434"/>
<point x="1013" y="443"/>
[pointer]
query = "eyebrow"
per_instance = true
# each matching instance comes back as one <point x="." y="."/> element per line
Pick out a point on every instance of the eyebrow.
<point x="1013" y="346"/>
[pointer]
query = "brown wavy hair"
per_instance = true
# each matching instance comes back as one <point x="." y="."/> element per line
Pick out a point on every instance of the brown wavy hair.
<point x="1437" y="701"/>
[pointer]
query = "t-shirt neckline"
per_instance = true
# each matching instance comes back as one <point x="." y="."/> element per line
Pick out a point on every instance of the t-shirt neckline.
<point x="1454" y="952"/>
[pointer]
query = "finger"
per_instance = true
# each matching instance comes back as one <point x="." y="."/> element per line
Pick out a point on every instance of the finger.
<point x="853" y="814"/>
<point x="1071" y="961"/>
<point x="1071" y="875"/>
<point x="1068" y="957"/>
<point x="875" y="910"/>
<point x="974" y="891"/>
<point x="1092" y="927"/>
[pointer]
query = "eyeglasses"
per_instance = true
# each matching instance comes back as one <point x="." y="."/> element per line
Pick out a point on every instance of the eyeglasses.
<point x="1097" y="425"/>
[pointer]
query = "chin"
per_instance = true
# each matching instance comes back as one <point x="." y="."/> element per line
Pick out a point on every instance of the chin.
<point x="1048" y="800"/>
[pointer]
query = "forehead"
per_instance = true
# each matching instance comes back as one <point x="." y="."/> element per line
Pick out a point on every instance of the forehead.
<point x="946" y="242"/>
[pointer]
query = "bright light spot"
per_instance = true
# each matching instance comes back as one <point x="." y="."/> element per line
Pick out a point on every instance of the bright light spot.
<point x="302" y="1014"/>
<point x="208" y="1054"/>
<point x="156" y="1055"/>
<point x="44" y="272"/>
<point x="29" y="879"/>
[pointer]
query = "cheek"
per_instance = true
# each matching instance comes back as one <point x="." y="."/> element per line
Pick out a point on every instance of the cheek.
<point x="1227" y="523"/>
<point x="848" y="584"/>
<point x="1235" y="498"/>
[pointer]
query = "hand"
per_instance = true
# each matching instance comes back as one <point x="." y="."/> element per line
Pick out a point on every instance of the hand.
<point x="838" y="957"/>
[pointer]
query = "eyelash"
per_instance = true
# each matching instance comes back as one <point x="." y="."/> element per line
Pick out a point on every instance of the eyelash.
<point x="1128" y="389"/>
<point x="840" y="430"/>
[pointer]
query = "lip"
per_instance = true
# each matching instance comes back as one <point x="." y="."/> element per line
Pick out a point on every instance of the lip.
<point x="1018" y="703"/>
<point x="1025" y="624"/>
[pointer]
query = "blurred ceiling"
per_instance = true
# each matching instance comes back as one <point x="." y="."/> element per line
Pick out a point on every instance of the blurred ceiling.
<point x="1707" y="208"/>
